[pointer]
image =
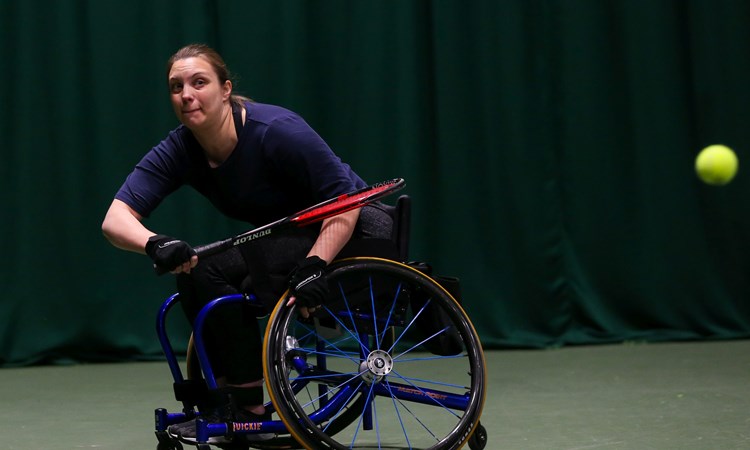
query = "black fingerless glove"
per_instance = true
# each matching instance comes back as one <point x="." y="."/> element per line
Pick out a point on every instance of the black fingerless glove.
<point x="168" y="252"/>
<point x="308" y="282"/>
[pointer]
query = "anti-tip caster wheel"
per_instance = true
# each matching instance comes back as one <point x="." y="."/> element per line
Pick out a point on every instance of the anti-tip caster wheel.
<point x="174" y="445"/>
<point x="478" y="440"/>
<point x="166" y="442"/>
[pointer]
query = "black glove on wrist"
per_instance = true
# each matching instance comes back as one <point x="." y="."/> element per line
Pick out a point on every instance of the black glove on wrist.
<point x="308" y="282"/>
<point x="168" y="252"/>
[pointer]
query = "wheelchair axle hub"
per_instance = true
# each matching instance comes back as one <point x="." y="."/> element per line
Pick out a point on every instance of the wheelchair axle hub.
<point x="377" y="365"/>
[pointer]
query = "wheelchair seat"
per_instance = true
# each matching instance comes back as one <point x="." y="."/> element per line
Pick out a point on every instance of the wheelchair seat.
<point x="397" y="247"/>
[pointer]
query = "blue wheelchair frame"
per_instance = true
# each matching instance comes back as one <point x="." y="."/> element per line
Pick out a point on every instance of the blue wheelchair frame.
<point x="204" y="429"/>
<point x="330" y="407"/>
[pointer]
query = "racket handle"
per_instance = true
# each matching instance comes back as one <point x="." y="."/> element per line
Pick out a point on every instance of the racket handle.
<point x="213" y="248"/>
<point x="202" y="251"/>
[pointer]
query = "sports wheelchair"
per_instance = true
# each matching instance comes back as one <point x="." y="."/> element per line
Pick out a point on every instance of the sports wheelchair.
<point x="390" y="361"/>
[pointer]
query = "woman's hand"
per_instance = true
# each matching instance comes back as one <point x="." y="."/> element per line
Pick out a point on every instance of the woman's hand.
<point x="308" y="285"/>
<point x="170" y="254"/>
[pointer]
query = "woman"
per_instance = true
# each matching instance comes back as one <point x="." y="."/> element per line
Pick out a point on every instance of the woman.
<point x="256" y="163"/>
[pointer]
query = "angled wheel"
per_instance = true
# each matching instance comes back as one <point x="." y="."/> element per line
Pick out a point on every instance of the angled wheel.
<point x="478" y="440"/>
<point x="169" y="446"/>
<point x="358" y="374"/>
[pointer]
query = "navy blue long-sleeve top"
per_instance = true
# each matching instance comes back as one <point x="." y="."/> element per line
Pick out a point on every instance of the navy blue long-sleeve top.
<point x="279" y="166"/>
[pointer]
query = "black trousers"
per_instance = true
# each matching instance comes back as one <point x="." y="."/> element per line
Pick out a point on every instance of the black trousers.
<point x="231" y="333"/>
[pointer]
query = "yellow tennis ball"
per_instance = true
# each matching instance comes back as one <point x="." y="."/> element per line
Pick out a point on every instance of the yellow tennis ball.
<point x="716" y="165"/>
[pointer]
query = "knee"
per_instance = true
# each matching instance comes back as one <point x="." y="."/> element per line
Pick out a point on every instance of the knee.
<point x="207" y="272"/>
<point x="204" y="280"/>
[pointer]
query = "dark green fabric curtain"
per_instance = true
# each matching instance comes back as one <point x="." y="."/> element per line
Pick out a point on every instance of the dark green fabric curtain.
<point x="548" y="146"/>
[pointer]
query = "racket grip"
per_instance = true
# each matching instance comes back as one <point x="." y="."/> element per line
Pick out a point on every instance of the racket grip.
<point x="213" y="248"/>
<point x="202" y="251"/>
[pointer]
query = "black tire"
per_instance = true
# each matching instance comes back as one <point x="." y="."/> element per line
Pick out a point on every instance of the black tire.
<point x="166" y="442"/>
<point x="169" y="446"/>
<point x="343" y="357"/>
<point x="478" y="439"/>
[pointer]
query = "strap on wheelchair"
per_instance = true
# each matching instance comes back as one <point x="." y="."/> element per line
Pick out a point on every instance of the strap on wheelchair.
<point x="235" y="397"/>
<point x="190" y="391"/>
<point x="196" y="393"/>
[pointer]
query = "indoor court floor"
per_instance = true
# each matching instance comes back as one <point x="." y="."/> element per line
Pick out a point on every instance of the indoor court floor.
<point x="629" y="396"/>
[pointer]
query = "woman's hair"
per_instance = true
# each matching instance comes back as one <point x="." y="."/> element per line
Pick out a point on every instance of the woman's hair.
<point x="213" y="58"/>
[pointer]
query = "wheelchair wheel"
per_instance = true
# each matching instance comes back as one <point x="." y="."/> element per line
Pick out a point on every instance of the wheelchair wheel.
<point x="169" y="446"/>
<point x="358" y="373"/>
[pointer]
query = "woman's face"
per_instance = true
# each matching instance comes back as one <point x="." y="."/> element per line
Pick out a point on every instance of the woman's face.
<point x="198" y="97"/>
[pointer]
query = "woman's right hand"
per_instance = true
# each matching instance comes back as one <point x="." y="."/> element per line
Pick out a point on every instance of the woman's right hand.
<point x="170" y="254"/>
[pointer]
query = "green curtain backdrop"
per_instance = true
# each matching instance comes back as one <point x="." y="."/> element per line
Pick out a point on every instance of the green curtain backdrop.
<point x="548" y="146"/>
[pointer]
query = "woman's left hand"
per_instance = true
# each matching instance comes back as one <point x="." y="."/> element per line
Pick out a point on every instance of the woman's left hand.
<point x="308" y="285"/>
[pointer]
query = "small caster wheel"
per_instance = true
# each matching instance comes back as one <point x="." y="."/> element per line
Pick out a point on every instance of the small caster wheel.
<point x="174" y="445"/>
<point x="478" y="440"/>
<point x="204" y="447"/>
<point x="236" y="446"/>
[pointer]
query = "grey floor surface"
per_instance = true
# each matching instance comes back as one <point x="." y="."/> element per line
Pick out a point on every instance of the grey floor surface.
<point x="638" y="396"/>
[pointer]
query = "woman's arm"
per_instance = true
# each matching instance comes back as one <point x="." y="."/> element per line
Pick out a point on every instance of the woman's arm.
<point x="334" y="234"/>
<point x="123" y="228"/>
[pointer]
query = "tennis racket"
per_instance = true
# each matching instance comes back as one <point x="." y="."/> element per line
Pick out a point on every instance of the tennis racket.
<point x="313" y="214"/>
